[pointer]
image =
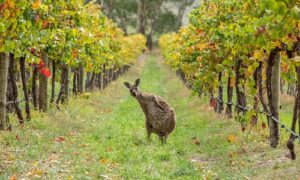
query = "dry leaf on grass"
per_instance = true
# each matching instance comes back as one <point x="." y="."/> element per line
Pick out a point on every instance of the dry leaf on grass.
<point x="13" y="177"/>
<point x="17" y="137"/>
<point x="35" y="172"/>
<point x="73" y="133"/>
<point x="60" y="139"/>
<point x="82" y="145"/>
<point x="109" y="149"/>
<point x="196" y="141"/>
<point x="104" y="161"/>
<point x="231" y="138"/>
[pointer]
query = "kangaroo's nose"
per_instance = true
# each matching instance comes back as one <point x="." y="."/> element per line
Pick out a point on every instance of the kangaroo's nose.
<point x="133" y="94"/>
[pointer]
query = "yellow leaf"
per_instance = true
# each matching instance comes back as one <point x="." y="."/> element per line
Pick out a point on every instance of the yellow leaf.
<point x="39" y="172"/>
<point x="249" y="71"/>
<point x="110" y="57"/>
<point x="277" y="44"/>
<point x="35" y="172"/>
<point x="231" y="138"/>
<point x="258" y="55"/>
<point x="45" y="7"/>
<point x="104" y="161"/>
<point x="298" y="25"/>
<point x="6" y="14"/>
<point x="10" y="4"/>
<point x="202" y="46"/>
<point x="36" y="5"/>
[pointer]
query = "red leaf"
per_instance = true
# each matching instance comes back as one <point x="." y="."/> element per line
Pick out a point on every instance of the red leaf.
<point x="213" y="103"/>
<point x="32" y="50"/>
<point x="17" y="137"/>
<point x="60" y="139"/>
<point x="263" y="125"/>
<point x="45" y="71"/>
<point x="2" y="6"/>
<point x="42" y="64"/>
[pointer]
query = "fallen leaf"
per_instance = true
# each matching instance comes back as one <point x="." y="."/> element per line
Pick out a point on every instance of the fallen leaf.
<point x="38" y="172"/>
<point x="242" y="163"/>
<point x="17" y="137"/>
<point x="35" y="172"/>
<point x="108" y="110"/>
<point x="60" y="139"/>
<point x="104" y="176"/>
<point x="73" y="133"/>
<point x="69" y="145"/>
<point x="196" y="141"/>
<point x="263" y="125"/>
<point x="11" y="157"/>
<point x="13" y="177"/>
<point x="104" y="161"/>
<point x="82" y="145"/>
<point x="114" y="165"/>
<point x="231" y="138"/>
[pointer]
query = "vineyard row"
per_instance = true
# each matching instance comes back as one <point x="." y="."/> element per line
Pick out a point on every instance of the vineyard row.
<point x="67" y="42"/>
<point x="251" y="47"/>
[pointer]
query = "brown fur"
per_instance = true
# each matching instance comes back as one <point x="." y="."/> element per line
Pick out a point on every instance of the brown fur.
<point x="160" y="116"/>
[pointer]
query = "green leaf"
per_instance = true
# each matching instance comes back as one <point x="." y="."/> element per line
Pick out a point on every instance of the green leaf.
<point x="280" y="8"/>
<point x="9" y="45"/>
<point x="2" y="27"/>
<point x="267" y="4"/>
<point x="227" y="62"/>
<point x="219" y="67"/>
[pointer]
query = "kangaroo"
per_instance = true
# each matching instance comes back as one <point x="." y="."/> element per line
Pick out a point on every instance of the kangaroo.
<point x="160" y="116"/>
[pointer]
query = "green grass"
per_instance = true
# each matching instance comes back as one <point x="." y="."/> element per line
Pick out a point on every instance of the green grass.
<point x="105" y="138"/>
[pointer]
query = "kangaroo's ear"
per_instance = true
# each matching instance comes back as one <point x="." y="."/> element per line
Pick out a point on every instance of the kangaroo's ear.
<point x="127" y="85"/>
<point x="137" y="82"/>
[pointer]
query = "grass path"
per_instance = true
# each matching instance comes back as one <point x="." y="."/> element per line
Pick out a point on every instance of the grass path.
<point x="102" y="136"/>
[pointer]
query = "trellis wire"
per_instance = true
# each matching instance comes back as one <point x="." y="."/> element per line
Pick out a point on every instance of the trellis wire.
<point x="282" y="125"/>
<point x="17" y="101"/>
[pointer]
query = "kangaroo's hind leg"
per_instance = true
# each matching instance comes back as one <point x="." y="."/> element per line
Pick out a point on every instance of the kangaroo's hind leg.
<point x="165" y="138"/>
<point x="161" y="138"/>
<point x="149" y="129"/>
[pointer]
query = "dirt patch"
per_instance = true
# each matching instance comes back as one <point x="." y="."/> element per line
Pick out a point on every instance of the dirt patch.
<point x="203" y="160"/>
<point x="290" y="173"/>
